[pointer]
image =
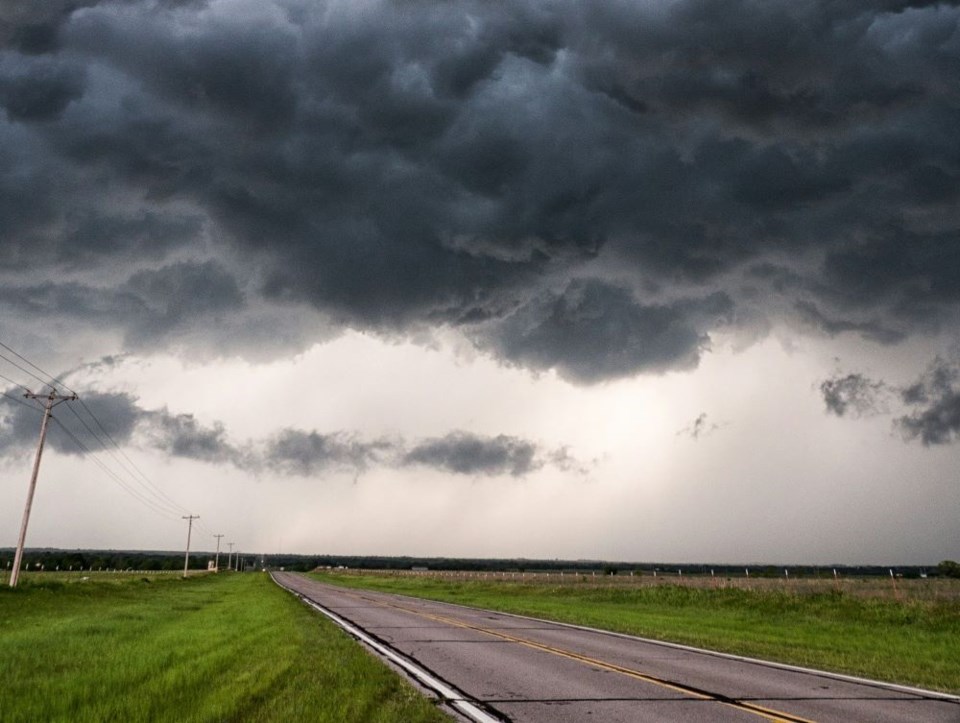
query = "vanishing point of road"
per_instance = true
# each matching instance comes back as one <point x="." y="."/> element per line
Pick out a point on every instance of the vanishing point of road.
<point x="511" y="668"/>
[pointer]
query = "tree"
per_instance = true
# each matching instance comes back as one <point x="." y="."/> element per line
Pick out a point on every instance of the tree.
<point x="949" y="568"/>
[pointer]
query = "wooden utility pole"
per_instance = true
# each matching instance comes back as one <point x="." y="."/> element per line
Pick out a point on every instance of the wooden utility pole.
<point x="230" y="555"/>
<point x="216" y="564"/>
<point x="186" y="557"/>
<point x="52" y="399"/>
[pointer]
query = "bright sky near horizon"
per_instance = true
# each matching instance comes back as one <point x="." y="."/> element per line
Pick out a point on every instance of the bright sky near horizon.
<point x="657" y="282"/>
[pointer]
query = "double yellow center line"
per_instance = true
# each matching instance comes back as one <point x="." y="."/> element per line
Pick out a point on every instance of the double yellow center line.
<point x="775" y="716"/>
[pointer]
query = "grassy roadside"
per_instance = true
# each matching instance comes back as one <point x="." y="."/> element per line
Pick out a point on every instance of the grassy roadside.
<point x="914" y="643"/>
<point x="210" y="648"/>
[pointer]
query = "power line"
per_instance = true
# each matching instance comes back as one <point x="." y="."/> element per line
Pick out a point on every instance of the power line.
<point x="156" y="491"/>
<point x="146" y="483"/>
<point x="114" y="476"/>
<point x="152" y="496"/>
<point x="14" y="383"/>
<point x="21" y="402"/>
<point x="27" y="371"/>
<point x="173" y="508"/>
<point x="46" y="374"/>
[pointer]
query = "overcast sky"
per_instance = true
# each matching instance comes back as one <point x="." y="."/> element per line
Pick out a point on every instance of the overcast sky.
<point x="650" y="281"/>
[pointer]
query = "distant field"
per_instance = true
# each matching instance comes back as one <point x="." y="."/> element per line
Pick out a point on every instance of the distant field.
<point x="909" y="634"/>
<point x="223" y="647"/>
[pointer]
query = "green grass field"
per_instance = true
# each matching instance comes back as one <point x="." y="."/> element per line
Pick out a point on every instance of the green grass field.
<point x="911" y="642"/>
<point x="209" y="648"/>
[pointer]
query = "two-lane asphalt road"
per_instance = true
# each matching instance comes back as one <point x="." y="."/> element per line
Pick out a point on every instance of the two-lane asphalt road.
<point x="520" y="669"/>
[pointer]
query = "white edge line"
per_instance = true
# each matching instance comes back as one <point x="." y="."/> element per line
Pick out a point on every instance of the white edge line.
<point x="448" y="694"/>
<point x="729" y="656"/>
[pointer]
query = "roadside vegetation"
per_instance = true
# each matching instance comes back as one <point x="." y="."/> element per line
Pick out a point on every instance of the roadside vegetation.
<point x="913" y="642"/>
<point x="228" y="647"/>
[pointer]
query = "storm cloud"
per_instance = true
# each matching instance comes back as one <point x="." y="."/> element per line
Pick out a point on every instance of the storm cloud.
<point x="116" y="416"/>
<point x="304" y="453"/>
<point x="579" y="186"/>
<point x="593" y="331"/>
<point x="935" y="399"/>
<point x="463" y="453"/>
<point x="853" y="395"/>
<point x="106" y="419"/>
<point x="928" y="409"/>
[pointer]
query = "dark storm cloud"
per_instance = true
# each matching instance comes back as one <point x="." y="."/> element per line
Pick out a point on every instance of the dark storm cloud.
<point x="150" y="305"/>
<point x="853" y="395"/>
<point x="41" y="91"/>
<point x="101" y="420"/>
<point x="935" y="399"/>
<point x="406" y="163"/>
<point x="465" y="453"/>
<point x="932" y="403"/>
<point x="183" y="435"/>
<point x="593" y="331"/>
<point x="107" y="415"/>
<point x="872" y="330"/>
<point x="295" y="451"/>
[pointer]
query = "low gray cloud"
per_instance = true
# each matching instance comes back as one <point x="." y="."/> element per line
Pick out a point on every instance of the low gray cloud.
<point x="465" y="453"/>
<point x="853" y="395"/>
<point x="929" y="408"/>
<point x="935" y="399"/>
<point x="182" y="435"/>
<point x="114" y="417"/>
<point x="700" y="427"/>
<point x="295" y="451"/>
<point x="424" y="163"/>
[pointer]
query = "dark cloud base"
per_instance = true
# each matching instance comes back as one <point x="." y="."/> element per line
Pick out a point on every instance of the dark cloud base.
<point x="580" y="186"/>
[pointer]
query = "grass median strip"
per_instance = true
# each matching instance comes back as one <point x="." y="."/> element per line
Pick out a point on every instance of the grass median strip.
<point x="909" y="642"/>
<point x="209" y="648"/>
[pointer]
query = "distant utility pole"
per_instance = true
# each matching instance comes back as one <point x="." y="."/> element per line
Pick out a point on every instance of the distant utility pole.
<point x="216" y="564"/>
<point x="230" y="555"/>
<point x="53" y="399"/>
<point x="186" y="557"/>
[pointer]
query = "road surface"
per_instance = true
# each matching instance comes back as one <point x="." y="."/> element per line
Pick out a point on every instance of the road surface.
<point x="524" y="670"/>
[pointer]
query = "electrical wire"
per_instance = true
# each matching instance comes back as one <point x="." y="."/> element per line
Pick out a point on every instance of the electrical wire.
<point x="25" y="371"/>
<point x="152" y="496"/>
<point x="14" y="383"/>
<point x="22" y="403"/>
<point x="46" y="374"/>
<point x="155" y="490"/>
<point x="169" y="504"/>
<point x="113" y="475"/>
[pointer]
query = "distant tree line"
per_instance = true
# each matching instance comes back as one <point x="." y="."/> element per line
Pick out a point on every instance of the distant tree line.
<point x="53" y="559"/>
<point x="65" y="560"/>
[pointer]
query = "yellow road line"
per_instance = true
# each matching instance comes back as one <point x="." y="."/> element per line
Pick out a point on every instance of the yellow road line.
<point x="770" y="714"/>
